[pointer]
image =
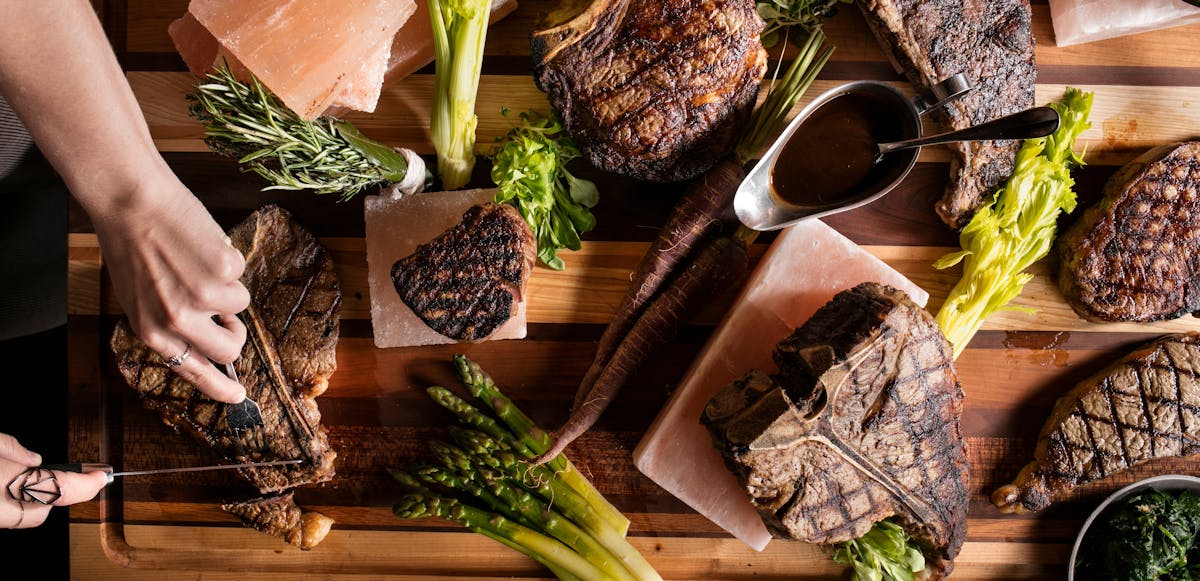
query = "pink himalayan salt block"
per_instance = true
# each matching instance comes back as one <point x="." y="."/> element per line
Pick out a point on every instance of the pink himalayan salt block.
<point x="310" y="53"/>
<point x="802" y="270"/>
<point x="395" y="227"/>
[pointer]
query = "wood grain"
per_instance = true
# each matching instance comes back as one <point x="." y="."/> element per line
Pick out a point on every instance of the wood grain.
<point x="1148" y="93"/>
<point x="1126" y="120"/>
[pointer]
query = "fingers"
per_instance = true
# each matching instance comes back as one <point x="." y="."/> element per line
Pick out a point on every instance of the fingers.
<point x="78" y="487"/>
<point x="26" y="488"/>
<point x="220" y="342"/>
<point x="12" y="450"/>
<point x="213" y="382"/>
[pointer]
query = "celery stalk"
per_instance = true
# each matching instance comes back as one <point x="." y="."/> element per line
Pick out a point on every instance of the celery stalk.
<point x="1017" y="228"/>
<point x="459" y="31"/>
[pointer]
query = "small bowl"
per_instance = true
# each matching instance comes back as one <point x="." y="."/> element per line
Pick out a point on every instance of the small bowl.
<point x="1166" y="482"/>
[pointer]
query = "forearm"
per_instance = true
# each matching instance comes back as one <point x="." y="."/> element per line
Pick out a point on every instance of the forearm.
<point x="59" y="74"/>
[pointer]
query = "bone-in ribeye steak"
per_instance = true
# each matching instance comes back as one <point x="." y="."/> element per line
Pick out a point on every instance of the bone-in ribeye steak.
<point x="465" y="283"/>
<point x="860" y="424"/>
<point x="992" y="43"/>
<point x="1135" y="256"/>
<point x="292" y="330"/>
<point x="1144" y="406"/>
<point x="652" y="89"/>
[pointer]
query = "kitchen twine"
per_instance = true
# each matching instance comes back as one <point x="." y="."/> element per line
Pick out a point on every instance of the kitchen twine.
<point x="414" y="177"/>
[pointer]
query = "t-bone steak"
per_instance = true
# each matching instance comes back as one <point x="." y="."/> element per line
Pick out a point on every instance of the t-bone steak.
<point x="292" y="331"/>
<point x="1144" y="406"/>
<point x="1135" y="256"/>
<point x="992" y="43"/>
<point x="861" y="423"/>
<point x="652" y="89"/>
<point x="465" y="283"/>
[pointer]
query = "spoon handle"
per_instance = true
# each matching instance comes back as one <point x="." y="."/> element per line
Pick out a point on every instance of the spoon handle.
<point x="1036" y="122"/>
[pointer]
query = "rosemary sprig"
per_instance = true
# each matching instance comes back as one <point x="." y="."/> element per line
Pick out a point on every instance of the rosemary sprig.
<point x="327" y="155"/>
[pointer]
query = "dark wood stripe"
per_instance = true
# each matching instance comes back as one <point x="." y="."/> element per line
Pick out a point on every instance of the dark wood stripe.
<point x="629" y="210"/>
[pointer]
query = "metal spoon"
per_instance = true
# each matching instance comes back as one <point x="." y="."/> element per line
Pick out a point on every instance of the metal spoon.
<point x="1036" y="122"/>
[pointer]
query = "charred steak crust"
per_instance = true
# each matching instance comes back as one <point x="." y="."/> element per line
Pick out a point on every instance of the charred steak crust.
<point x="1134" y="255"/>
<point x="860" y="424"/>
<point x="992" y="43"/>
<point x="465" y="283"/>
<point x="292" y="330"/>
<point x="1144" y="406"/>
<point x="653" y="89"/>
<point x="280" y="516"/>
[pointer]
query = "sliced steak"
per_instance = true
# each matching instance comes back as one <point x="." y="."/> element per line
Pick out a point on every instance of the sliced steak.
<point x="1144" y="406"/>
<point x="280" y="516"/>
<point x="1135" y="256"/>
<point x="992" y="43"/>
<point x="292" y="330"/>
<point x="652" y="89"/>
<point x="860" y="424"/>
<point x="465" y="283"/>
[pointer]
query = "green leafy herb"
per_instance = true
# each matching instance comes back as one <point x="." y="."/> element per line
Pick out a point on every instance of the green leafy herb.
<point x="248" y="122"/>
<point x="1017" y="228"/>
<point x="529" y="164"/>
<point x="459" y="31"/>
<point x="781" y="14"/>
<point x="885" y="553"/>
<point x="1148" y="536"/>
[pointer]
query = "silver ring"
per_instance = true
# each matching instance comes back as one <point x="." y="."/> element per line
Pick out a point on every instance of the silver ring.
<point x="178" y="360"/>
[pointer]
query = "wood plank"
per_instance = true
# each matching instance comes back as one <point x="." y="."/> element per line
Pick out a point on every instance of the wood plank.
<point x="377" y="553"/>
<point x="148" y="20"/>
<point x="1126" y="120"/>
<point x="590" y="288"/>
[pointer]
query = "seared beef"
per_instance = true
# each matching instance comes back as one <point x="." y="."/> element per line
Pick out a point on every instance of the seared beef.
<point x="860" y="424"/>
<point x="279" y="516"/>
<point x="465" y="283"/>
<point x="652" y="89"/>
<point x="1145" y="406"/>
<point x="992" y="43"/>
<point x="292" y="330"/>
<point x="1135" y="256"/>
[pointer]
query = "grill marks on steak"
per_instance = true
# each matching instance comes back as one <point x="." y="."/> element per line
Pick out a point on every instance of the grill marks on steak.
<point x="292" y="331"/>
<point x="465" y="283"/>
<point x="1135" y="256"/>
<point x="992" y="43"/>
<point x="860" y="424"/>
<point x="652" y="89"/>
<point x="1144" y="406"/>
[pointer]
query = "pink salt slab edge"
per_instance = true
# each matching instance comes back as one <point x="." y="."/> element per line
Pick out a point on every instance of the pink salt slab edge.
<point x="803" y="269"/>
<point x="395" y="227"/>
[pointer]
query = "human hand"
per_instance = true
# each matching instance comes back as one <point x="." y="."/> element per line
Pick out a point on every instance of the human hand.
<point x="177" y="278"/>
<point x="25" y="510"/>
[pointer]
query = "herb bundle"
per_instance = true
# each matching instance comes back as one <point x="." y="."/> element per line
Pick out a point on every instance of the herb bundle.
<point x="328" y="156"/>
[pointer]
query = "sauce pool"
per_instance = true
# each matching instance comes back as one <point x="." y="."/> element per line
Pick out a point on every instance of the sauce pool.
<point x="832" y="156"/>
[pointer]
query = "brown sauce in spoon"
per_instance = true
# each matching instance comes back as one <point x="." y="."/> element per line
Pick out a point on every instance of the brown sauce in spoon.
<point x="833" y="156"/>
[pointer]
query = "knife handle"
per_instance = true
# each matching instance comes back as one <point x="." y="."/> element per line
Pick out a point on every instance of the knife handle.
<point x="82" y="468"/>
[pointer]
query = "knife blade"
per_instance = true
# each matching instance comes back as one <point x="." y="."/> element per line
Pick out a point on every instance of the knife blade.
<point x="87" y="467"/>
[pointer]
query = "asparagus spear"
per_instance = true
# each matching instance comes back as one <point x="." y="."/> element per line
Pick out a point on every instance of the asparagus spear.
<point x="484" y="451"/>
<point x="530" y="511"/>
<point x="535" y="439"/>
<point x="560" y="559"/>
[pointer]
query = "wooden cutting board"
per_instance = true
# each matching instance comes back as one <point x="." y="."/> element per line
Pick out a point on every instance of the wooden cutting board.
<point x="1147" y="93"/>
